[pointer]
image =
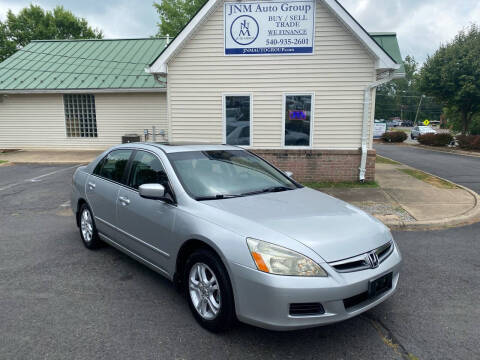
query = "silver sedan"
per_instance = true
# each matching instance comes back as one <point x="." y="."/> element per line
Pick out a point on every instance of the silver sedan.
<point x="241" y="238"/>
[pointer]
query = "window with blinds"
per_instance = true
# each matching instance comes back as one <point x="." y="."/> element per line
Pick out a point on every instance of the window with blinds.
<point x="80" y="117"/>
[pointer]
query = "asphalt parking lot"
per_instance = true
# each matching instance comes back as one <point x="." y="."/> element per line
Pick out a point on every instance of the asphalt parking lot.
<point x="59" y="300"/>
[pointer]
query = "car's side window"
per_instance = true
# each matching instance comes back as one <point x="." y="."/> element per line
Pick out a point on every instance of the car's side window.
<point x="114" y="164"/>
<point x="147" y="169"/>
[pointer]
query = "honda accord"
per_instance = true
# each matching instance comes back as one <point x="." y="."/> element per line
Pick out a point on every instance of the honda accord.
<point x="241" y="238"/>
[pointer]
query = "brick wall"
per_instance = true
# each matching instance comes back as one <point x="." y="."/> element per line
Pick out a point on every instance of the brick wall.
<point x="320" y="165"/>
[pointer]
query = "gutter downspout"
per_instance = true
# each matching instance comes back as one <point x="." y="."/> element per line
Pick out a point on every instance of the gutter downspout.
<point x="367" y="101"/>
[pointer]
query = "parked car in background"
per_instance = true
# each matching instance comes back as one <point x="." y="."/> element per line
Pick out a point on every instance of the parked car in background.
<point x="421" y="130"/>
<point x="407" y="123"/>
<point x="242" y="238"/>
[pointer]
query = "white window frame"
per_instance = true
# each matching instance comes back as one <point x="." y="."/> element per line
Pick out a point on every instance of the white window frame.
<point x="312" y="118"/>
<point x="224" y="117"/>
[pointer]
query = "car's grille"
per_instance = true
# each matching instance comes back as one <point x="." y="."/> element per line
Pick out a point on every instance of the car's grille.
<point x="306" y="309"/>
<point x="361" y="262"/>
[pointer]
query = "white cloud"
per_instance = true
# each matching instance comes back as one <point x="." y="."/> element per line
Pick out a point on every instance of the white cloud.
<point x="421" y="26"/>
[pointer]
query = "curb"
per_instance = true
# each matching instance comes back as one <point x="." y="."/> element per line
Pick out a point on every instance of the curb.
<point x="471" y="216"/>
<point x="455" y="152"/>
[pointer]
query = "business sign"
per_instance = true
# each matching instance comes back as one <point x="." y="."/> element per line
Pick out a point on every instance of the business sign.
<point x="269" y="28"/>
<point x="297" y="115"/>
<point x="379" y="129"/>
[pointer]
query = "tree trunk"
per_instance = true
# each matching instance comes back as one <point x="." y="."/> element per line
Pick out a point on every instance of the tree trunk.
<point x="465" y="122"/>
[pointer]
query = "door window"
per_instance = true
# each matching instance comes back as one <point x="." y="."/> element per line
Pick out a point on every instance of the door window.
<point x="113" y="165"/>
<point x="147" y="169"/>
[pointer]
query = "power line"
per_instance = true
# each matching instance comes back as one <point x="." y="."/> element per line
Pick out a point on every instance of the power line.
<point x="83" y="58"/>
<point x="78" y="65"/>
<point x="74" y="73"/>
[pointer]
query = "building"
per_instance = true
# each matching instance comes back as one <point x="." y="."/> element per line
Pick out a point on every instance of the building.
<point x="292" y="81"/>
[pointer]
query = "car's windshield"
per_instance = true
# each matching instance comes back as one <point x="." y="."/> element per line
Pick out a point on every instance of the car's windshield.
<point x="425" y="128"/>
<point x="226" y="173"/>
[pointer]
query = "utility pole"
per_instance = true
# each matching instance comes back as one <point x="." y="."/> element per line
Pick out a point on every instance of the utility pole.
<point x="418" y="110"/>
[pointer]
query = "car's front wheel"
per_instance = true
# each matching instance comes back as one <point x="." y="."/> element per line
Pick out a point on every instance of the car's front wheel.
<point x="88" y="230"/>
<point x="209" y="292"/>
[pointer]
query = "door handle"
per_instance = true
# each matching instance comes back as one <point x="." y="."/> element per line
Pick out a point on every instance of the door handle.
<point x="91" y="185"/>
<point x="125" y="201"/>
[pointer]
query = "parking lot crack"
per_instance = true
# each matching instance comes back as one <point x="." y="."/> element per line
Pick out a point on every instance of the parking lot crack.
<point x="389" y="338"/>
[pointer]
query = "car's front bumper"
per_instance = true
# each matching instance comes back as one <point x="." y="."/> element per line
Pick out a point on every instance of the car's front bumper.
<point x="264" y="300"/>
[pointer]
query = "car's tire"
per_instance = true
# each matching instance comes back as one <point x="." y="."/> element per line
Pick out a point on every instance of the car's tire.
<point x="411" y="135"/>
<point x="214" y="295"/>
<point x="88" y="230"/>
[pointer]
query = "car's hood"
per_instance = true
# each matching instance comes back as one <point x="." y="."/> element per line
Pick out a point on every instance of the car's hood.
<point x="332" y="228"/>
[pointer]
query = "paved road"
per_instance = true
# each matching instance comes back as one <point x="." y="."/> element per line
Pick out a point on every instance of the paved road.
<point x="463" y="170"/>
<point x="59" y="300"/>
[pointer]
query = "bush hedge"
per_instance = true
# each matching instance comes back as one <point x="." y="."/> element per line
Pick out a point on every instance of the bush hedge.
<point x="469" y="142"/>
<point x="441" y="139"/>
<point x="394" y="136"/>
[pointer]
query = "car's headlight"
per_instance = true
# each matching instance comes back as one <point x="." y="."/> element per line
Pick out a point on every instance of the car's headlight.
<point x="278" y="260"/>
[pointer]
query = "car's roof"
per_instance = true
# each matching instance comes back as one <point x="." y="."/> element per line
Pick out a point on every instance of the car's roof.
<point x="182" y="147"/>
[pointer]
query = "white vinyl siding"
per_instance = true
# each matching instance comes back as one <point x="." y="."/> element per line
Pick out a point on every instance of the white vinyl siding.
<point x="38" y="121"/>
<point x="337" y="73"/>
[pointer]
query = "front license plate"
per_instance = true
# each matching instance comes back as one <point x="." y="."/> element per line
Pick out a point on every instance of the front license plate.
<point x="380" y="285"/>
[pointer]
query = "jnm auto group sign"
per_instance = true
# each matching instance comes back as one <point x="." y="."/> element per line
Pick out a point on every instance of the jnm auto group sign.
<point x="266" y="28"/>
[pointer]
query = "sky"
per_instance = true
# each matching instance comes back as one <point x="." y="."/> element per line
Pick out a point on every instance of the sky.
<point x="421" y="25"/>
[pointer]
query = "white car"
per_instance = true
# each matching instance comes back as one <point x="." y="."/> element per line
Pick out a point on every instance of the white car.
<point x="421" y="130"/>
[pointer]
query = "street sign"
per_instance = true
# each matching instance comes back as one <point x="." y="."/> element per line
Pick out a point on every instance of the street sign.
<point x="426" y="122"/>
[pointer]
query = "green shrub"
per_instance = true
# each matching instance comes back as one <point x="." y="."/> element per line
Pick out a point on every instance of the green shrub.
<point x="394" y="136"/>
<point x="441" y="139"/>
<point x="469" y="142"/>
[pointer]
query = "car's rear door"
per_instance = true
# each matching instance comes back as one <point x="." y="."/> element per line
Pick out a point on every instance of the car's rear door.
<point x="147" y="224"/>
<point x="102" y="190"/>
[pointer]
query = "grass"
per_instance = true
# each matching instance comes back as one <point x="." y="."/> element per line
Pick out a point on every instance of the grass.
<point x="382" y="160"/>
<point x="432" y="180"/>
<point x="3" y="161"/>
<point x="341" y="185"/>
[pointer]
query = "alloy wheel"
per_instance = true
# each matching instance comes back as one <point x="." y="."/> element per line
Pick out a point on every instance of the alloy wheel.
<point x="204" y="291"/>
<point x="86" y="225"/>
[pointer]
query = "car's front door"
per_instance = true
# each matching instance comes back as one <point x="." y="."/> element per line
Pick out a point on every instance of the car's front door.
<point x="147" y="224"/>
<point x="102" y="190"/>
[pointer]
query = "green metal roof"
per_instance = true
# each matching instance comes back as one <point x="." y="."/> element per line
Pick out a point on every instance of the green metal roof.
<point x="388" y="42"/>
<point x="56" y="65"/>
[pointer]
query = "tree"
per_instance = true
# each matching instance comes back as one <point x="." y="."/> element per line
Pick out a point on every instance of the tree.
<point x="400" y="97"/>
<point x="175" y="14"/>
<point x="452" y="75"/>
<point x="34" y="23"/>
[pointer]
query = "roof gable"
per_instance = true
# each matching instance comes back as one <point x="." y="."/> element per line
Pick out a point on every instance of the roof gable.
<point x="75" y="65"/>
<point x="383" y="60"/>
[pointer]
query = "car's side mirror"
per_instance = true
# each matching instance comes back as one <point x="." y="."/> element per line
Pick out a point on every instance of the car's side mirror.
<point x="152" y="191"/>
<point x="288" y="173"/>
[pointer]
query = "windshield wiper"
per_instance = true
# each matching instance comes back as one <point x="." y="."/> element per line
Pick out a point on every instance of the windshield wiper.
<point x="268" y="190"/>
<point x="217" y="197"/>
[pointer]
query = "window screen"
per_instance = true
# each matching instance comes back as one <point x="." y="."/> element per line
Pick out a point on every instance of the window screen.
<point x="80" y="117"/>
<point x="237" y="120"/>
<point x="298" y="117"/>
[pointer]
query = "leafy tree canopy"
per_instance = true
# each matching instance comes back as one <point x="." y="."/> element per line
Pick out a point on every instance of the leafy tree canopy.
<point x="452" y="75"/>
<point x="34" y="23"/>
<point x="401" y="97"/>
<point x="175" y="14"/>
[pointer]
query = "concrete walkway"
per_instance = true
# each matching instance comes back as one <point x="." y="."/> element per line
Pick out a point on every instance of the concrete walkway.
<point x="403" y="201"/>
<point x="50" y="156"/>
